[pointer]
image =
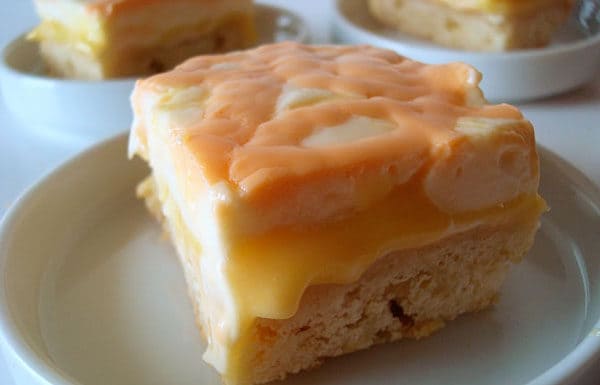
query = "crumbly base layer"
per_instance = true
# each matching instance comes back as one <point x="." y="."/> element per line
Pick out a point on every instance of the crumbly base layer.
<point x="65" y="60"/>
<point x="470" y="30"/>
<point x="405" y="294"/>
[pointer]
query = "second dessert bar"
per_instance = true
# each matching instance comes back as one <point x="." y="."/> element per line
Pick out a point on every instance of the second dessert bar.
<point x="480" y="25"/>
<point x="100" y="39"/>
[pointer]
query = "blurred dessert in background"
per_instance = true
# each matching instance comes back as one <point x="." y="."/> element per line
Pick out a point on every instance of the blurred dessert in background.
<point x="100" y="39"/>
<point x="480" y="25"/>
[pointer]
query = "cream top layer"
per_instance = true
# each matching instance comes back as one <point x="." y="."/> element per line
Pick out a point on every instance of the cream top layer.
<point x="503" y="6"/>
<point x="303" y="134"/>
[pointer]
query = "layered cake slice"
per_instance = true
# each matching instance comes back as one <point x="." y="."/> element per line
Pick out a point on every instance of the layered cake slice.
<point x="323" y="199"/>
<point x="481" y="25"/>
<point x="99" y="39"/>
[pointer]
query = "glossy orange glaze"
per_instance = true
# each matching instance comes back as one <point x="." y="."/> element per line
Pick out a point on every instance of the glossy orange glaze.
<point x="239" y="137"/>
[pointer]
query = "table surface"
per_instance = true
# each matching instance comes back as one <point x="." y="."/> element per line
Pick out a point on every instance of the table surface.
<point x="568" y="124"/>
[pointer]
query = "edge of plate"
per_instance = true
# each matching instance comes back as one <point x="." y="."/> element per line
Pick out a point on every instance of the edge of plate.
<point x="581" y="358"/>
<point x="11" y="340"/>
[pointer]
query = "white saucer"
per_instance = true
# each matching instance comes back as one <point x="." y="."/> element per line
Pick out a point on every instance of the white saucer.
<point x="93" y="110"/>
<point x="93" y="294"/>
<point x="571" y="60"/>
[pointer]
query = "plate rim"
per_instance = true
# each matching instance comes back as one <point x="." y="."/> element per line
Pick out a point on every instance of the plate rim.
<point x="570" y="367"/>
<point x="12" y="341"/>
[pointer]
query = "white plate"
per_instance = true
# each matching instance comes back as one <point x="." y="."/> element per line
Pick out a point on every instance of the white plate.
<point x="570" y="61"/>
<point x="93" y="110"/>
<point x="93" y="294"/>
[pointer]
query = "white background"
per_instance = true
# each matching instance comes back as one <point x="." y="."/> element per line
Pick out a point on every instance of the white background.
<point x="568" y="124"/>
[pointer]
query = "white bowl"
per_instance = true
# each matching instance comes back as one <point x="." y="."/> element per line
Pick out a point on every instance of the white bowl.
<point x="81" y="109"/>
<point x="95" y="110"/>
<point x="92" y="294"/>
<point x="571" y="60"/>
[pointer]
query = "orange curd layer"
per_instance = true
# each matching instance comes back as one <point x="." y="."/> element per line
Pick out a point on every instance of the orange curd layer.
<point x="269" y="272"/>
